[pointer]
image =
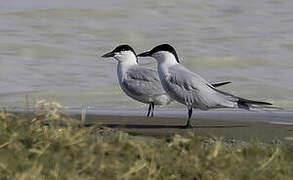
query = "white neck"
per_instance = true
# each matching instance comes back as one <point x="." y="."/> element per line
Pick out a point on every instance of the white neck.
<point x="126" y="57"/>
<point x="165" y="58"/>
<point x="125" y="60"/>
<point x="123" y="67"/>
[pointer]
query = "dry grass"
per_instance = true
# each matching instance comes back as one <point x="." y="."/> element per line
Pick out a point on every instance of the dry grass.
<point x="29" y="150"/>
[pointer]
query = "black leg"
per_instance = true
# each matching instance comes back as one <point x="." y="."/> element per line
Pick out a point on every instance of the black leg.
<point x="149" y="111"/>
<point x="188" y="123"/>
<point x="153" y="108"/>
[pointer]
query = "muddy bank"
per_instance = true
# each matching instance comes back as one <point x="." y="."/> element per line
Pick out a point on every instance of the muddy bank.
<point x="239" y="125"/>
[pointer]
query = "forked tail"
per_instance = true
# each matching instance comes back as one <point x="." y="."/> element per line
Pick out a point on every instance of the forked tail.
<point x="247" y="104"/>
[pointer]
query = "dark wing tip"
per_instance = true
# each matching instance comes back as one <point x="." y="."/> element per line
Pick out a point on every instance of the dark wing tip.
<point x="246" y="101"/>
<point x="221" y="83"/>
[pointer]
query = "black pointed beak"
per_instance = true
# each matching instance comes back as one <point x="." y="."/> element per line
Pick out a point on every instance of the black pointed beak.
<point x="144" y="54"/>
<point x="110" y="54"/>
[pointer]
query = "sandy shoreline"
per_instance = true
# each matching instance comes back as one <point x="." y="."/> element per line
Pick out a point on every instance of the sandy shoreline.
<point x="240" y="130"/>
<point x="239" y="125"/>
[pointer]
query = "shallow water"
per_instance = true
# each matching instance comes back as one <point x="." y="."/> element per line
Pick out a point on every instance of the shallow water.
<point x="51" y="50"/>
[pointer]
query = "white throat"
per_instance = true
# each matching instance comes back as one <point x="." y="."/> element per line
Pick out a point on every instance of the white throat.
<point x="126" y="59"/>
<point x="165" y="58"/>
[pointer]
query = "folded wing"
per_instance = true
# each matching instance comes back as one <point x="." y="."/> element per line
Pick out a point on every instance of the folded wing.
<point x="141" y="81"/>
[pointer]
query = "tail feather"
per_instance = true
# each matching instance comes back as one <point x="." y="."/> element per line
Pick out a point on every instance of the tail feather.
<point x="247" y="104"/>
<point x="220" y="83"/>
<point x="253" y="102"/>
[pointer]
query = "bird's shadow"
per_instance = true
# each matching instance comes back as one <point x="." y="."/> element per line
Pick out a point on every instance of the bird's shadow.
<point x="147" y="126"/>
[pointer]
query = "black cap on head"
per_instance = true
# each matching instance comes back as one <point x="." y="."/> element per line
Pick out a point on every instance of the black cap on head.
<point x="119" y="48"/>
<point x="162" y="47"/>
<point x="123" y="47"/>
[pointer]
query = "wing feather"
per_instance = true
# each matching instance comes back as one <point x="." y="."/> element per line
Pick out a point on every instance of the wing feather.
<point x="181" y="87"/>
<point x="191" y="89"/>
<point x="143" y="82"/>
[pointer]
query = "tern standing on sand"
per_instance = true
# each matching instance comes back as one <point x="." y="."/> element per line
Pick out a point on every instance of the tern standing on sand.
<point x="137" y="82"/>
<point x="189" y="88"/>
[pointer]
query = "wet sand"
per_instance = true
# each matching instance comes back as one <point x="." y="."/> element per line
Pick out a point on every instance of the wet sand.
<point x="238" y="125"/>
<point x="158" y="126"/>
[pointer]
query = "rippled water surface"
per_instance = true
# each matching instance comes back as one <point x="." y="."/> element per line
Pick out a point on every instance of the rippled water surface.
<point x="51" y="49"/>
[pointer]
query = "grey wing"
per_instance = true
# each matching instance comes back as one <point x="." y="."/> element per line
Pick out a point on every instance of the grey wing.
<point x="143" y="82"/>
<point x="181" y="87"/>
<point x="193" y="90"/>
<point x="199" y="79"/>
<point x="144" y="74"/>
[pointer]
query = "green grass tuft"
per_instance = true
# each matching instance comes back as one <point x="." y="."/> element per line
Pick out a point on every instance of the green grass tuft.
<point x="31" y="150"/>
